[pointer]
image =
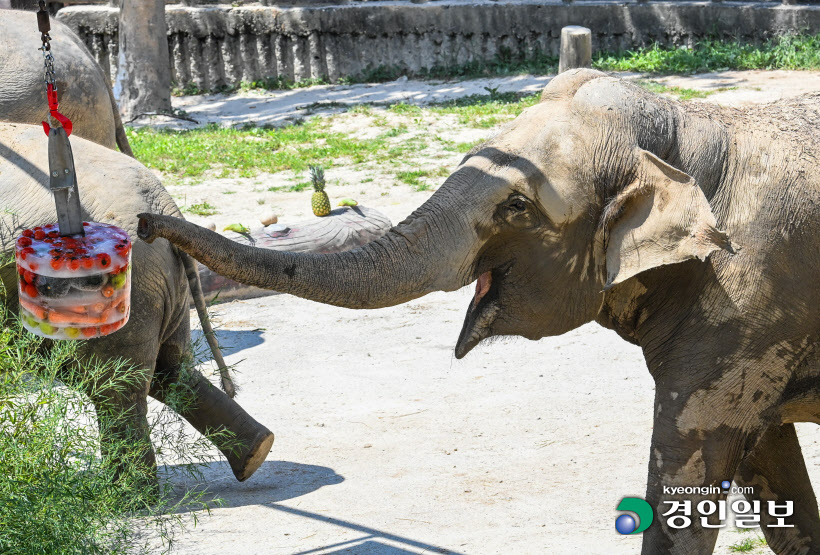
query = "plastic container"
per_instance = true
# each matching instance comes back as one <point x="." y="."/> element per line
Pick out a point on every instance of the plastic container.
<point x="76" y="287"/>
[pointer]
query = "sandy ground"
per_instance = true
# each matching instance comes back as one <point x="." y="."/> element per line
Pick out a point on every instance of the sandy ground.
<point x="385" y="443"/>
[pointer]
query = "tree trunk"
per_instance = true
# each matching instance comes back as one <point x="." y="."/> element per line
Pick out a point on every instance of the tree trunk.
<point x="143" y="82"/>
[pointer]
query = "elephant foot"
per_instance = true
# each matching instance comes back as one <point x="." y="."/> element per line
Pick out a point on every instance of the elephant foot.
<point x="245" y="465"/>
<point x="247" y="442"/>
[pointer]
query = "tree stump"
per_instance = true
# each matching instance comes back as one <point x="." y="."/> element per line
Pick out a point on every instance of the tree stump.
<point x="343" y="229"/>
<point x="576" y="48"/>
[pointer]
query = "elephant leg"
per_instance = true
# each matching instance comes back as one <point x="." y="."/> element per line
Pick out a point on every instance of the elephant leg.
<point x="688" y="451"/>
<point x="777" y="471"/>
<point x="124" y="431"/>
<point x="209" y="410"/>
<point x="122" y="408"/>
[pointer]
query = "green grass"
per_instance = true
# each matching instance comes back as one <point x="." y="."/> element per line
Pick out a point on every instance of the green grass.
<point x="214" y="151"/>
<point x="485" y="111"/>
<point x="747" y="544"/>
<point x="301" y="186"/>
<point x="785" y="52"/>
<point x="204" y="208"/>
<point x="405" y="109"/>
<point x="248" y="151"/>
<point x="58" y="495"/>
<point x="679" y="92"/>
<point x="414" y="177"/>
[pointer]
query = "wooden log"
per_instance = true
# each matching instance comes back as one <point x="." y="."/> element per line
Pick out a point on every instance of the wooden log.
<point x="343" y="229"/>
<point x="576" y="48"/>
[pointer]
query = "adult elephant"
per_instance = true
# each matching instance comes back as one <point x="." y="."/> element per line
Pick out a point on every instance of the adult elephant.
<point x="605" y="202"/>
<point x="84" y="90"/>
<point x="114" y="188"/>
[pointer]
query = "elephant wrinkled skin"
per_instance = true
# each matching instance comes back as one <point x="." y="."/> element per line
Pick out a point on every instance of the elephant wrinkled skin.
<point x="691" y="230"/>
<point x="114" y="188"/>
<point x="83" y="89"/>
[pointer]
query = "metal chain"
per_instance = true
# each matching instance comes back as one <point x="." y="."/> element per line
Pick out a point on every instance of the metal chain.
<point x="49" y="77"/>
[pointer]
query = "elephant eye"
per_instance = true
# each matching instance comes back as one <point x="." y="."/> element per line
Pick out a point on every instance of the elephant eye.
<point x="517" y="205"/>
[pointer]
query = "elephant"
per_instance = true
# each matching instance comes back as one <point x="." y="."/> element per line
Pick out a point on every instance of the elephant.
<point x="157" y="338"/>
<point x="689" y="229"/>
<point x="83" y="89"/>
<point x="161" y="316"/>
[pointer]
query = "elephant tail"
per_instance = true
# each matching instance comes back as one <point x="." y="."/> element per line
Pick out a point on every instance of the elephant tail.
<point x="192" y="273"/>
<point x="121" y="137"/>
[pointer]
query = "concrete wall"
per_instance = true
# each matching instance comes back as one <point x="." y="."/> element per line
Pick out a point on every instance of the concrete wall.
<point x="218" y="46"/>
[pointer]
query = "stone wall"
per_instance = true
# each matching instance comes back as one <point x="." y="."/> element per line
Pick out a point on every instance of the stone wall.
<point x="216" y="46"/>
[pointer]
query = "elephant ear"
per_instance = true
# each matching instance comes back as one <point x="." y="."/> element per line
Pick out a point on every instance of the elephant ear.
<point x="662" y="217"/>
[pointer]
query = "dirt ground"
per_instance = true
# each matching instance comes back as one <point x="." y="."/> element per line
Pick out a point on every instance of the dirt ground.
<point x="385" y="444"/>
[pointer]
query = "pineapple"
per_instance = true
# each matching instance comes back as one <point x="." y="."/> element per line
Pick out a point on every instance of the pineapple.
<point x="319" y="200"/>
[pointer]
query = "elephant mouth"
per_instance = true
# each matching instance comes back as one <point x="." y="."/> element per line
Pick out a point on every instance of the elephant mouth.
<point x="483" y="310"/>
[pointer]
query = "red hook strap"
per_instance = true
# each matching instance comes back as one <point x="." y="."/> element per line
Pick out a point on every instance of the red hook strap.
<point x="52" y="108"/>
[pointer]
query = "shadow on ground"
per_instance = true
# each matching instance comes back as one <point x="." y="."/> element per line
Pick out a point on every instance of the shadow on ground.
<point x="275" y="481"/>
<point x="279" y="481"/>
<point x="278" y="108"/>
<point x="371" y="542"/>
<point x="232" y="341"/>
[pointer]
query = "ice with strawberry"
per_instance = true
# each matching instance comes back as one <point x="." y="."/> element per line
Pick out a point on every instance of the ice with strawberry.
<point x="74" y="287"/>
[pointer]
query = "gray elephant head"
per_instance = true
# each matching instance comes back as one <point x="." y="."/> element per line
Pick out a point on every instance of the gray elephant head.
<point x="570" y="199"/>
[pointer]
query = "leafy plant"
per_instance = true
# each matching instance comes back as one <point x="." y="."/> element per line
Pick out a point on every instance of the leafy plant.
<point x="784" y="52"/>
<point x="61" y="490"/>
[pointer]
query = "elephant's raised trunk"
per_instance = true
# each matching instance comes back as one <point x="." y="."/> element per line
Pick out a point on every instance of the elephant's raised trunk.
<point x="432" y="250"/>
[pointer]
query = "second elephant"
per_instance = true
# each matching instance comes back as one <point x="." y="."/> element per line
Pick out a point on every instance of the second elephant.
<point x="693" y="231"/>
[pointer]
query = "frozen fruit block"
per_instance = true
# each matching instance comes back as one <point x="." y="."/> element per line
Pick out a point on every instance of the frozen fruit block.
<point x="74" y="287"/>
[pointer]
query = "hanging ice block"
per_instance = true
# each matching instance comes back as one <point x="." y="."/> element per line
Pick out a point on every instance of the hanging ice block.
<point x="74" y="287"/>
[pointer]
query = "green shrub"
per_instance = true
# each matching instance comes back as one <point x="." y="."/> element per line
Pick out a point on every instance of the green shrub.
<point x="784" y="52"/>
<point x="57" y="493"/>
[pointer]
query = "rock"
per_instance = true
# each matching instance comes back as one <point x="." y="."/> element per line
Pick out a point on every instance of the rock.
<point x="269" y="219"/>
<point x="211" y="226"/>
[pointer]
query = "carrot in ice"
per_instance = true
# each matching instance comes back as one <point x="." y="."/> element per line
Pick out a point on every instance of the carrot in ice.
<point x="79" y="319"/>
<point x="35" y="309"/>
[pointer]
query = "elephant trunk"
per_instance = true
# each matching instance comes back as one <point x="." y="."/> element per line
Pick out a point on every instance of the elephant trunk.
<point x="429" y="251"/>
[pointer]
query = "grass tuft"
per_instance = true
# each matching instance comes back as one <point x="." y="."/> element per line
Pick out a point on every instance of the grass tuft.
<point x="748" y="544"/>
<point x="61" y="491"/>
<point x="414" y="177"/>
<point x="203" y="208"/>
